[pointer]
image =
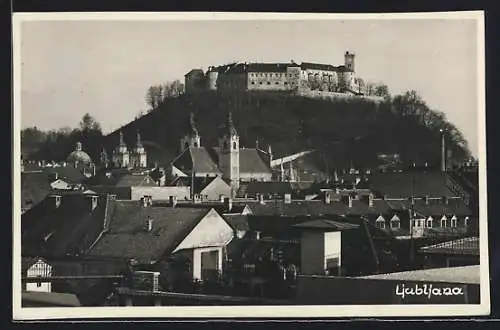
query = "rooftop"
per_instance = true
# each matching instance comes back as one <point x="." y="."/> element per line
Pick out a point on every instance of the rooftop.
<point x="128" y="238"/>
<point x="467" y="245"/>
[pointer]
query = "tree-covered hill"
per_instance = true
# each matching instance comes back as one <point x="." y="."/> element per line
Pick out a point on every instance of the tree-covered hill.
<point x="344" y="131"/>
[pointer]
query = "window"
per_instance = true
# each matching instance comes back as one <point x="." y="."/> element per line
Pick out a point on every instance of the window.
<point x="196" y="145"/>
<point x="395" y="223"/>
<point x="253" y="82"/>
<point x="234" y="145"/>
<point x="260" y="82"/>
<point x="285" y="83"/>
<point x="277" y="83"/>
<point x="269" y="83"/>
<point x="466" y="221"/>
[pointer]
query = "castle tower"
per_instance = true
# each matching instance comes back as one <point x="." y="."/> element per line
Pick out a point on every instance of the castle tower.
<point x="139" y="154"/>
<point x="229" y="145"/>
<point x="192" y="138"/>
<point x="121" y="157"/>
<point x="349" y="61"/>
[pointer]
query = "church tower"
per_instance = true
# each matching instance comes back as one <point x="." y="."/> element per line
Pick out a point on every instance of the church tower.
<point x="192" y="138"/>
<point x="139" y="155"/>
<point x="229" y="160"/>
<point x="121" y="155"/>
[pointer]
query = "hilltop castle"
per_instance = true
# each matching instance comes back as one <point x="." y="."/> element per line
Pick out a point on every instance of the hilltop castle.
<point x="291" y="77"/>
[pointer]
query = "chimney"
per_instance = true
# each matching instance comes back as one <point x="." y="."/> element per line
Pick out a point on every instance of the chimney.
<point x="261" y="198"/>
<point x="222" y="198"/>
<point x="173" y="201"/>
<point x="288" y="198"/>
<point x="426" y="200"/>
<point x="257" y="235"/>
<point x="370" y="200"/>
<point x="93" y="202"/>
<point x="228" y="203"/>
<point x="328" y="197"/>
<point x="57" y="200"/>
<point x="149" y="224"/>
<point x="349" y="200"/>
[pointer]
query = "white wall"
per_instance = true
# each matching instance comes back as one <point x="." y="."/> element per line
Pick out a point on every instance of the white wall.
<point x="333" y="246"/>
<point x="160" y="193"/>
<point x="211" y="231"/>
<point x="197" y="261"/>
<point x="41" y="269"/>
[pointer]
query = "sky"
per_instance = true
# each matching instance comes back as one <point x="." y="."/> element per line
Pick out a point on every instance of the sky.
<point x="69" y="68"/>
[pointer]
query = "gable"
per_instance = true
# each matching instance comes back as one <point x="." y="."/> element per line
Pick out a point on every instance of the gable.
<point x="212" y="230"/>
<point x="217" y="185"/>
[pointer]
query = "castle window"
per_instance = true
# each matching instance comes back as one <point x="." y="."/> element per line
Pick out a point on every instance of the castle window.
<point x="253" y="82"/>
<point x="260" y="82"/>
<point x="277" y="83"/>
<point x="234" y="145"/>
<point x="286" y="83"/>
<point x="269" y="83"/>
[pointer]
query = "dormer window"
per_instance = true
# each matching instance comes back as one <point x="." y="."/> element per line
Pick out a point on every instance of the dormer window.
<point x="429" y="222"/>
<point x="380" y="222"/>
<point x="444" y="221"/>
<point x="466" y="221"/>
<point x="395" y="222"/>
<point x="454" y="221"/>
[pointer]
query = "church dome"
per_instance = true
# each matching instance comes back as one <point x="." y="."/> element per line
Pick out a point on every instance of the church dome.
<point x="78" y="155"/>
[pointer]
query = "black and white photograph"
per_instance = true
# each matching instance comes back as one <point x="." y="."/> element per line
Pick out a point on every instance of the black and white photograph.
<point x="249" y="165"/>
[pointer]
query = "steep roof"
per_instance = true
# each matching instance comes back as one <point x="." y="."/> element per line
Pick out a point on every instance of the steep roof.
<point x="127" y="237"/>
<point x="70" y="228"/>
<point x="404" y="183"/>
<point x="207" y="160"/>
<point x="34" y="188"/>
<point x="268" y="67"/>
<point x="237" y="221"/>
<point x="317" y="66"/>
<point x="197" y="158"/>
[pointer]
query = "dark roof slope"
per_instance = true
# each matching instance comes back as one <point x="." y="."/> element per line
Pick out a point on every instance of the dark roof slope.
<point x="127" y="236"/>
<point x="403" y="184"/>
<point x="69" y="229"/>
<point x="237" y="221"/>
<point x="326" y="225"/>
<point x="121" y="178"/>
<point x="467" y="245"/>
<point x="258" y="187"/>
<point x="34" y="188"/>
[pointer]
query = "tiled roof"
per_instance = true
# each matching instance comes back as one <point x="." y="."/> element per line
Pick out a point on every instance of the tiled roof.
<point x="237" y="221"/>
<point x="206" y="160"/>
<point x="403" y="184"/>
<point x="258" y="187"/>
<point x="467" y="274"/>
<point x="200" y="157"/>
<point x="195" y="71"/>
<point x="326" y="224"/>
<point x="467" y="245"/>
<point x="70" y="228"/>
<point x="128" y="238"/>
<point x="199" y="182"/>
<point x="34" y="188"/>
